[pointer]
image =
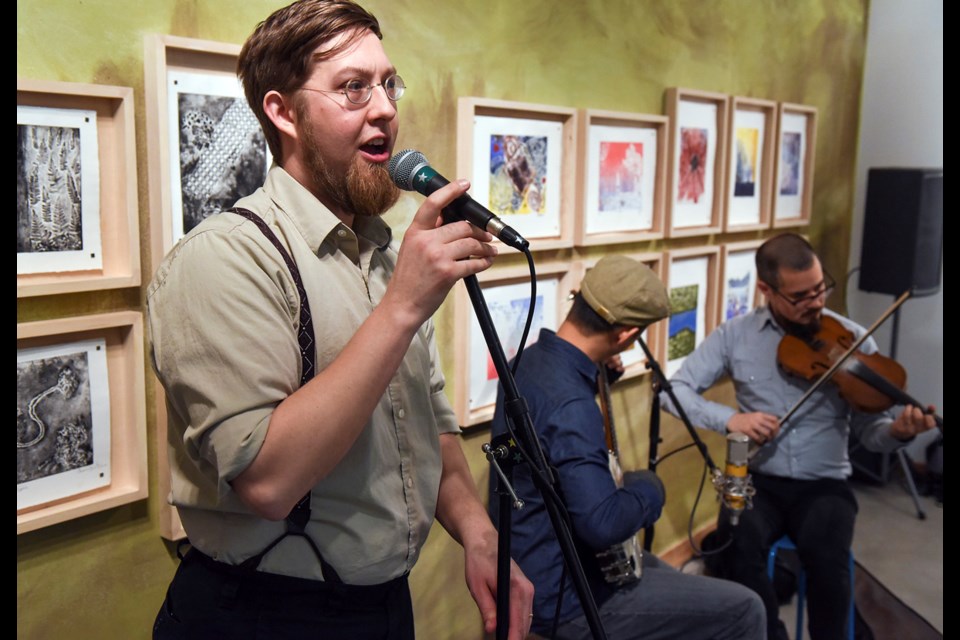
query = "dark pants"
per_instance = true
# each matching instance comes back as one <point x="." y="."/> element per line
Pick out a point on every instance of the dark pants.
<point x="209" y="599"/>
<point x="818" y="515"/>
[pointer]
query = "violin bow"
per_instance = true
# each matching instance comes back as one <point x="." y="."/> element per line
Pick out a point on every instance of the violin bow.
<point x="823" y="379"/>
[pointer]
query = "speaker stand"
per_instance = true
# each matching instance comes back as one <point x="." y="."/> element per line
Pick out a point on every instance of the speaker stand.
<point x="884" y="475"/>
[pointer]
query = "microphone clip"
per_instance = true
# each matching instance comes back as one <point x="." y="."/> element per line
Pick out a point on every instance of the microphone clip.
<point x="735" y="491"/>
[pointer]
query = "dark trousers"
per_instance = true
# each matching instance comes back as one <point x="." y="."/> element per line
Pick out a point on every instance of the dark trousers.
<point x="818" y="515"/>
<point x="210" y="600"/>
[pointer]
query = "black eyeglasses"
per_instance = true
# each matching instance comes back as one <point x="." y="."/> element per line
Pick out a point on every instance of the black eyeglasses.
<point x="824" y="289"/>
<point x="359" y="91"/>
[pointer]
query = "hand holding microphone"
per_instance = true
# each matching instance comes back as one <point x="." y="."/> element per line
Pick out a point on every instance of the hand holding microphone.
<point x="411" y="171"/>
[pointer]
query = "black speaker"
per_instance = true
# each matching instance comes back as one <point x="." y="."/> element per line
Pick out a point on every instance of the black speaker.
<point x="902" y="231"/>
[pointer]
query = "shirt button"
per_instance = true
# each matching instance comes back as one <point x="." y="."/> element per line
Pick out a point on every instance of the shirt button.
<point x="409" y="483"/>
<point x="342" y="233"/>
<point x="401" y="413"/>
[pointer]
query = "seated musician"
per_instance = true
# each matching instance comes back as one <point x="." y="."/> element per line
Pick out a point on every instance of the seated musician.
<point x="558" y="377"/>
<point x="800" y="476"/>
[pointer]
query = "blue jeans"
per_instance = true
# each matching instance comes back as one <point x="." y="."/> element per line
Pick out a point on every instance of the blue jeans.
<point x="668" y="604"/>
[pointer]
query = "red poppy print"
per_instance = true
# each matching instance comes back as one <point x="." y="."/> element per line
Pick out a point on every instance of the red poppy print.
<point x="693" y="164"/>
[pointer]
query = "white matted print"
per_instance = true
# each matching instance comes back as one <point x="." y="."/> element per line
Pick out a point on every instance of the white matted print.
<point x="689" y="281"/>
<point x="63" y="421"/>
<point x="58" y="190"/>
<point x="508" y="305"/>
<point x="621" y="178"/>
<point x="739" y="283"/>
<point x="218" y="153"/>
<point x="695" y="167"/>
<point x="746" y="195"/>
<point x="791" y="176"/>
<point x="516" y="172"/>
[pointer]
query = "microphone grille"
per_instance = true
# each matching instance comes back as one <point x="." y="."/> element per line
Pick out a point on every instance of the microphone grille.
<point x="403" y="167"/>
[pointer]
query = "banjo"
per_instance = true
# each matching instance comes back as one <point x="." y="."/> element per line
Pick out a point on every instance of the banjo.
<point x="621" y="563"/>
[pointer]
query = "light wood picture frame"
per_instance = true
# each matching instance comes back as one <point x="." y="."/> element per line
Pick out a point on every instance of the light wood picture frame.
<point x="621" y="177"/>
<point x="738" y="280"/>
<point x="692" y="282"/>
<point x="698" y="139"/>
<point x="109" y="257"/>
<point x="205" y="146"/>
<point x="796" y="146"/>
<point x="634" y="359"/>
<point x="752" y="148"/>
<point x="121" y="334"/>
<point x="521" y="159"/>
<point x="507" y="295"/>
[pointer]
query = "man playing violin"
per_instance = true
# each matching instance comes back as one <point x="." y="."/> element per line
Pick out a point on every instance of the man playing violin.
<point x="800" y="473"/>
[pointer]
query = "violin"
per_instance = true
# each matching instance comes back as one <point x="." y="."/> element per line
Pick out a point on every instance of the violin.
<point x="869" y="383"/>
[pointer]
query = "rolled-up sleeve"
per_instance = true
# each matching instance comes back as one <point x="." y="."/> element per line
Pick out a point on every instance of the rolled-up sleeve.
<point x="222" y="345"/>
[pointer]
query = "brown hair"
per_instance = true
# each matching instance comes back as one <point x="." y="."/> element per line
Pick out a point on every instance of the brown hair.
<point x="279" y="54"/>
<point x="787" y="250"/>
<point x="584" y="318"/>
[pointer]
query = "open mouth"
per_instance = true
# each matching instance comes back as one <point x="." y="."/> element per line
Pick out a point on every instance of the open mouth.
<point x="376" y="150"/>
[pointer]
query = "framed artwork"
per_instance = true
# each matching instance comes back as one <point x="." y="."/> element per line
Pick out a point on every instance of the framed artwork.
<point x="621" y="177"/>
<point x="698" y="125"/>
<point x="634" y="359"/>
<point x="63" y="421"/>
<point x="738" y="280"/>
<point x="77" y="219"/>
<point x="521" y="161"/>
<point x="793" y="189"/>
<point x="751" y="145"/>
<point x="692" y="283"/>
<point x="507" y="295"/>
<point x="81" y="421"/>
<point x="58" y="190"/>
<point x="205" y="145"/>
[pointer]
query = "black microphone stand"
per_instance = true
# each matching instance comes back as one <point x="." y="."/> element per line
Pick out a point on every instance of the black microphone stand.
<point x="655" y="439"/>
<point x="516" y="412"/>
<point x="660" y="380"/>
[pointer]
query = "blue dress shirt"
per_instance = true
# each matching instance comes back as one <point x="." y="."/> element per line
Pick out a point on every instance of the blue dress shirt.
<point x="559" y="383"/>
<point x="813" y="443"/>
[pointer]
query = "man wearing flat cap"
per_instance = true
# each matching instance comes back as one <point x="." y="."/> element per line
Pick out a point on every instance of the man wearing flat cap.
<point x="558" y="378"/>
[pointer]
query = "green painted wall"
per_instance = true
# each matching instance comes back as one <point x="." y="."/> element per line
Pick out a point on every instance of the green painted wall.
<point x="103" y="576"/>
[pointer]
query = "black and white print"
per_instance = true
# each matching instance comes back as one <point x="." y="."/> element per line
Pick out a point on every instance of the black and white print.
<point x="63" y="421"/>
<point x="58" y="217"/>
<point x="218" y="151"/>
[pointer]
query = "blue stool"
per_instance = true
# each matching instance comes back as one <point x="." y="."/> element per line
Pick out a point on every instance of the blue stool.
<point x="786" y="543"/>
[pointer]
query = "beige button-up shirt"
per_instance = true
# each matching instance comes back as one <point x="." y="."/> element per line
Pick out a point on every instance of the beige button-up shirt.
<point x="223" y="315"/>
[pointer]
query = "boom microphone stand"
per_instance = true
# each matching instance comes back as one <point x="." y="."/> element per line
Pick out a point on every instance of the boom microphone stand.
<point x="517" y="414"/>
<point x="654" y="442"/>
<point x="734" y="487"/>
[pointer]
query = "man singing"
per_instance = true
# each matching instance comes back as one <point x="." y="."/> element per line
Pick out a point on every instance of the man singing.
<point x="311" y="441"/>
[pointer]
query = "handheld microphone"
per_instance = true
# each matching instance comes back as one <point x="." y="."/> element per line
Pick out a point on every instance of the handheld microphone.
<point x="735" y="486"/>
<point x="411" y="171"/>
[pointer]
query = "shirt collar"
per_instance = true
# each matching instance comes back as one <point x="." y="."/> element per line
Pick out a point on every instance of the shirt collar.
<point x="766" y="319"/>
<point x="580" y="361"/>
<point x="313" y="219"/>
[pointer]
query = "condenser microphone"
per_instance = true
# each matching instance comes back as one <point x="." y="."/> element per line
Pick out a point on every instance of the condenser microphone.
<point x="737" y="490"/>
<point x="411" y="171"/>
